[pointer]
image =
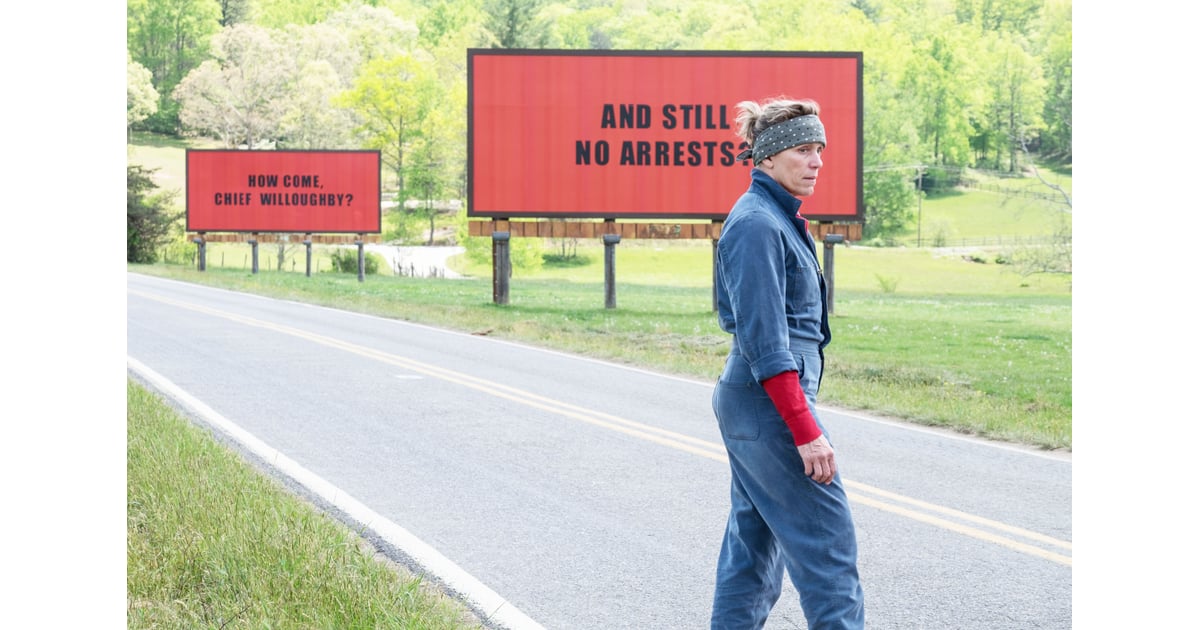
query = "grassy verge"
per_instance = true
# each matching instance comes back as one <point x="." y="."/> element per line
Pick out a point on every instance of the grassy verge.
<point x="211" y="543"/>
<point x="943" y="341"/>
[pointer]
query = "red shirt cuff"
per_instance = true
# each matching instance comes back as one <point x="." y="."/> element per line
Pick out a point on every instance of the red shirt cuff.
<point x="788" y="397"/>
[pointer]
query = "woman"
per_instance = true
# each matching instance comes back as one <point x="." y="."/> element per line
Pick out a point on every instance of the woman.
<point x="788" y="505"/>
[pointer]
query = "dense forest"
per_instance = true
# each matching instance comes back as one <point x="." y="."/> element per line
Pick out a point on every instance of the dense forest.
<point x="949" y="85"/>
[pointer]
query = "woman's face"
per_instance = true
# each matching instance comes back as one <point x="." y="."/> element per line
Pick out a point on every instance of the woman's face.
<point x="796" y="168"/>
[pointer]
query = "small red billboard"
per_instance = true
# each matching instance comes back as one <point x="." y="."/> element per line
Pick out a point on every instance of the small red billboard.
<point x="645" y="134"/>
<point x="283" y="191"/>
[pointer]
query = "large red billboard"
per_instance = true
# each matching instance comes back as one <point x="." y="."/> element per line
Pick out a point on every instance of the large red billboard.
<point x="283" y="191"/>
<point x="645" y="134"/>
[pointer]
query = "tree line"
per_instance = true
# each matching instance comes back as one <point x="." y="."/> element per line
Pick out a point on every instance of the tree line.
<point x="947" y="84"/>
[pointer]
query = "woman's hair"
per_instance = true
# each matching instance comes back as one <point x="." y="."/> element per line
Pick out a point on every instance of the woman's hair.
<point x="753" y="117"/>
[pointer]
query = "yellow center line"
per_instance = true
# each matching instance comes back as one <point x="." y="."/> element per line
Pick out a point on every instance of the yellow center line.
<point x="964" y="529"/>
<point x="960" y="515"/>
<point x="663" y="437"/>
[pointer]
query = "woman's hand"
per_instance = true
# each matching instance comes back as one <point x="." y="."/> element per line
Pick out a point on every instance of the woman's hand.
<point x="818" y="459"/>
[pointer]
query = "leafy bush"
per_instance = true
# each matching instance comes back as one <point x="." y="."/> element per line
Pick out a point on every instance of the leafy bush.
<point x="345" y="260"/>
<point x="566" y="261"/>
<point x="178" y="250"/>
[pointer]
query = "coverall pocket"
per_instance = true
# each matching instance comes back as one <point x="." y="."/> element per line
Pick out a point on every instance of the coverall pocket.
<point x="741" y="408"/>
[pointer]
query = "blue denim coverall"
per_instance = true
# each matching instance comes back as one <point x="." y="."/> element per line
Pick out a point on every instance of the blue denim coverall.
<point x="771" y="297"/>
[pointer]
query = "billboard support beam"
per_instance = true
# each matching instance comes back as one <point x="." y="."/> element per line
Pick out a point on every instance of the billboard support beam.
<point x="361" y="257"/>
<point x="501" y="267"/>
<point x="830" y="241"/>
<point x="610" y="269"/>
<point x="308" y="255"/>
<point x="200" y="252"/>
<point x="253" y="252"/>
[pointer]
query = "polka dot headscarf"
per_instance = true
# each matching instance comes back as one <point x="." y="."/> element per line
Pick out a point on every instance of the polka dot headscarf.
<point x="785" y="135"/>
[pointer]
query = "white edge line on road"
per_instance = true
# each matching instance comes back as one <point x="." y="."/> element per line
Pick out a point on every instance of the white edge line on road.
<point x="496" y="608"/>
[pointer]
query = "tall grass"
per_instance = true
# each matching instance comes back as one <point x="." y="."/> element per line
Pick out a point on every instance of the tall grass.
<point x="211" y="543"/>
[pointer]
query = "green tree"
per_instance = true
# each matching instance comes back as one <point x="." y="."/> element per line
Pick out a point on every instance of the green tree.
<point x="580" y="29"/>
<point x="889" y="196"/>
<point x="998" y="16"/>
<point x="716" y="26"/>
<point x="871" y="10"/>
<point x="241" y="95"/>
<point x="141" y="99"/>
<point x="646" y="26"/>
<point x="1055" y="53"/>
<point x="931" y="80"/>
<point x="516" y="23"/>
<point x="893" y="146"/>
<point x="434" y="170"/>
<point x="814" y="25"/>
<point x="374" y="32"/>
<point x="451" y="110"/>
<point x="149" y="219"/>
<point x="311" y="120"/>
<point x="327" y="59"/>
<point x="1016" y="97"/>
<point x="425" y="185"/>
<point x="325" y="62"/>
<point x="894" y="154"/>
<point x="170" y="38"/>
<point x="234" y="12"/>
<point x="447" y="20"/>
<point x="280" y="13"/>
<point x="392" y="97"/>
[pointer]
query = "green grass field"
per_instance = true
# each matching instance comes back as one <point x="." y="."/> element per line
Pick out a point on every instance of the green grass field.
<point x="998" y="211"/>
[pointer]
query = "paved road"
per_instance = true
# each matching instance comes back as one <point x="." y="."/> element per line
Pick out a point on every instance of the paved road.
<point x="588" y="495"/>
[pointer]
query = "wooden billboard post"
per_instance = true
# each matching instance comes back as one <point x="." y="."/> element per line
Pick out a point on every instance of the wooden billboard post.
<point x="610" y="269"/>
<point x="200" y="252"/>
<point x="308" y="255"/>
<point x="253" y="252"/>
<point x="501" y="266"/>
<point x="830" y="240"/>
